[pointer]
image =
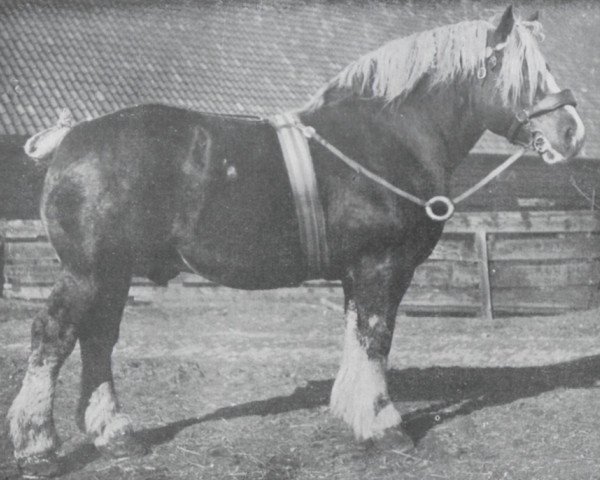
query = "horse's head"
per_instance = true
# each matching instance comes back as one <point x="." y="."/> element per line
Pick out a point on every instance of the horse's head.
<point x="520" y="98"/>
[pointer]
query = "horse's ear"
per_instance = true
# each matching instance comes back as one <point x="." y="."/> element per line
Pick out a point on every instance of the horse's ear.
<point x="535" y="17"/>
<point x="505" y="26"/>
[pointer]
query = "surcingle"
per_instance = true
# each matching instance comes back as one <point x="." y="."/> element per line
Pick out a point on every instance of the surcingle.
<point x="299" y="165"/>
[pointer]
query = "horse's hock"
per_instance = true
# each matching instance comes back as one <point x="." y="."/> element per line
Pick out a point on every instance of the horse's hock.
<point x="487" y="263"/>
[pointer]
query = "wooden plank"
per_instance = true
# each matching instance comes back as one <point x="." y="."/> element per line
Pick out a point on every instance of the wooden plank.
<point x="455" y="247"/>
<point x="34" y="274"/>
<point x="441" y="310"/>
<point x="544" y="247"/>
<point x="525" y="221"/>
<point x="514" y="310"/>
<point x="484" y="275"/>
<point x="441" y="273"/>
<point x="532" y="298"/>
<point x="2" y="262"/>
<point x="450" y="297"/>
<point x="557" y="274"/>
<point x="141" y="282"/>
<point x="22" y="229"/>
<point x="27" y="292"/>
<point x="193" y="280"/>
<point x="28" y="252"/>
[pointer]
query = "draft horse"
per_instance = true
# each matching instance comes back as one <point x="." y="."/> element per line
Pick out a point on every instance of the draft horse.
<point x="155" y="190"/>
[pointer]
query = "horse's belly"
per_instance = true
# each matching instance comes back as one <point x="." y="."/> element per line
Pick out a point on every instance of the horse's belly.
<point x="246" y="238"/>
<point x="248" y="275"/>
<point x="251" y="267"/>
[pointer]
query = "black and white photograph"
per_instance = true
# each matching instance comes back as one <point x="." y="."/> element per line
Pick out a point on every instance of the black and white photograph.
<point x="299" y="239"/>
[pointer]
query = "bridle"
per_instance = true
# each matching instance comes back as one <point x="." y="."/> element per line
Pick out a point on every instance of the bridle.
<point x="520" y="132"/>
<point x="519" y="128"/>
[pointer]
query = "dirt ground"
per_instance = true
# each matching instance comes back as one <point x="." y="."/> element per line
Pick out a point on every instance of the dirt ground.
<point x="236" y="386"/>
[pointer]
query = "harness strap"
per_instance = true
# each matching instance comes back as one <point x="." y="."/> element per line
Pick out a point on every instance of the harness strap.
<point x="310" y="132"/>
<point x="309" y="210"/>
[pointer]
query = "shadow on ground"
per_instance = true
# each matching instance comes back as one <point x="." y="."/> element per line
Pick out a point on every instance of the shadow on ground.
<point x="452" y="391"/>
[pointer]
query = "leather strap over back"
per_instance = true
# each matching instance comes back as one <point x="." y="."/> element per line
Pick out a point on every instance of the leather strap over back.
<point x="309" y="211"/>
<point x="549" y="103"/>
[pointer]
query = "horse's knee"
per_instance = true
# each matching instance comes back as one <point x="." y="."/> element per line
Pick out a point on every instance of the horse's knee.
<point x="375" y="333"/>
<point x="52" y="337"/>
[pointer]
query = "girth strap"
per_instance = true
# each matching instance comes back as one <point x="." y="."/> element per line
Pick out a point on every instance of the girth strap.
<point x="309" y="211"/>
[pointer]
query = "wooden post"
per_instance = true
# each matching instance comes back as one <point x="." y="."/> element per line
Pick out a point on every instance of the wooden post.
<point x="484" y="275"/>
<point x="2" y="259"/>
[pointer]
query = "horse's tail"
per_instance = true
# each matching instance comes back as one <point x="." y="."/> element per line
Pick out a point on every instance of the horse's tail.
<point x="42" y="144"/>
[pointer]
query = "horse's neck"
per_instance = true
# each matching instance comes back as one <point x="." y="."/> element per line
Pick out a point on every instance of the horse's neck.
<point x="438" y="124"/>
<point x="436" y="128"/>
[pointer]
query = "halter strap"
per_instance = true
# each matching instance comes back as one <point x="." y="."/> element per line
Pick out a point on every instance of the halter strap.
<point x="549" y="103"/>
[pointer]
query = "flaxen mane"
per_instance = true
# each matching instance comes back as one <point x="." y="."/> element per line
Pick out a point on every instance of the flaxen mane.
<point x="448" y="53"/>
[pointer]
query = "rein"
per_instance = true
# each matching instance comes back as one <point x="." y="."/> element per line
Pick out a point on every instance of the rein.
<point x="448" y="204"/>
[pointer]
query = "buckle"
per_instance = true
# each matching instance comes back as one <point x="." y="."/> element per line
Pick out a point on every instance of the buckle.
<point x="307" y="131"/>
<point x="522" y="116"/>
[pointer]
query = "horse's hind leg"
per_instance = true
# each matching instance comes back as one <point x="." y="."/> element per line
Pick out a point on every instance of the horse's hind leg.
<point x="98" y="412"/>
<point x="53" y="336"/>
<point x="372" y="289"/>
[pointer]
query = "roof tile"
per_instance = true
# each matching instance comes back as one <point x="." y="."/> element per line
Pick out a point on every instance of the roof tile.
<point x="96" y="56"/>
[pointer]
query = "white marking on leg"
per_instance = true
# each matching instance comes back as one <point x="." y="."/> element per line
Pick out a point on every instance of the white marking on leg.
<point x="103" y="422"/>
<point x="30" y="416"/>
<point x="360" y="385"/>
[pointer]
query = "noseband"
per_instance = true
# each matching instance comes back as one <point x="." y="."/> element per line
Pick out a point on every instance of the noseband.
<point x="521" y="123"/>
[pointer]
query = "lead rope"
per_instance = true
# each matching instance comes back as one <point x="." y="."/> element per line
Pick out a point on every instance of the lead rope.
<point x="449" y="204"/>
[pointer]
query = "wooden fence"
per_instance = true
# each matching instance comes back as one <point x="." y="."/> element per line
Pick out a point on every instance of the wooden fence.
<point x="486" y="263"/>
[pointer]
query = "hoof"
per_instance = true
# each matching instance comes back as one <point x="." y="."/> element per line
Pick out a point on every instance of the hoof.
<point x="40" y="466"/>
<point x="123" y="446"/>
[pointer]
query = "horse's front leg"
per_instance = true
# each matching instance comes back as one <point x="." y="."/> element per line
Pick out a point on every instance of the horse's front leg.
<point x="373" y="289"/>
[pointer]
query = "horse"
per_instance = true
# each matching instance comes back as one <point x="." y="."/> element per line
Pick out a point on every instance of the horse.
<point x="155" y="190"/>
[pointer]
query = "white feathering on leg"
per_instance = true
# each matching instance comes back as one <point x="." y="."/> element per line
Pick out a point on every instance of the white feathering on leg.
<point x="103" y="422"/>
<point x="30" y="416"/>
<point x="358" y="385"/>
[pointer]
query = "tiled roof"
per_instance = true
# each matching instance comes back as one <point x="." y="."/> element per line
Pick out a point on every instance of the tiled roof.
<point x="95" y="56"/>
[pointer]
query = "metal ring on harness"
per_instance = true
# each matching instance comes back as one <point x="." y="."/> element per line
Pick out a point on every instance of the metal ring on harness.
<point x="439" y="200"/>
